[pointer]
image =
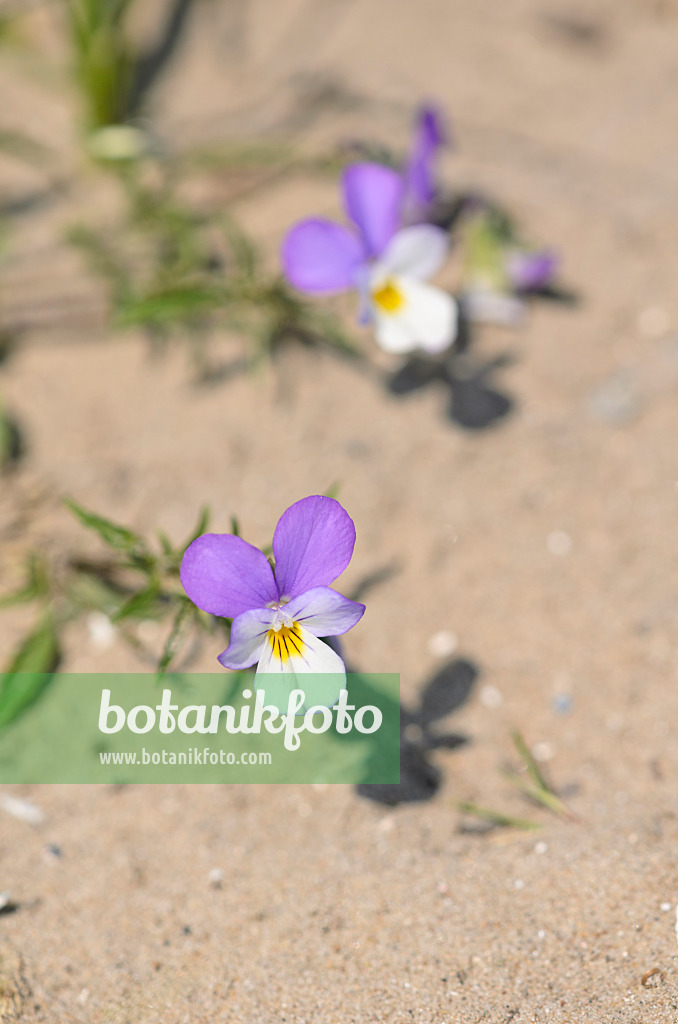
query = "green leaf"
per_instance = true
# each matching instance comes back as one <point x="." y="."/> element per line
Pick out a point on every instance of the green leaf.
<point x="235" y="526"/>
<point x="117" y="537"/>
<point x="497" y="817"/>
<point x="201" y="526"/>
<point x="173" y="642"/>
<point x="140" y="606"/>
<point x="35" y="659"/>
<point x="5" y="439"/>
<point x="37" y="583"/>
<point x="172" y="305"/>
<point x="530" y="763"/>
<point x="165" y="542"/>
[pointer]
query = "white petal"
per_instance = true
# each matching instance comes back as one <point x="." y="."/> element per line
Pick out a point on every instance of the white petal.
<point x="427" y="318"/>
<point x="417" y="252"/>
<point x="247" y="637"/>
<point x="308" y="665"/>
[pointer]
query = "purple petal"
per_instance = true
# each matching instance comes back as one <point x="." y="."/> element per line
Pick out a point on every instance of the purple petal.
<point x="530" y="271"/>
<point x="224" y="575"/>
<point x="373" y="197"/>
<point x="324" y="612"/>
<point x="321" y="256"/>
<point x="429" y="136"/>
<point x="248" y="634"/>
<point x="312" y="544"/>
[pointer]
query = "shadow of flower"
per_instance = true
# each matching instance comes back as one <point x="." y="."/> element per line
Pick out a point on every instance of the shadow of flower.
<point x="420" y="780"/>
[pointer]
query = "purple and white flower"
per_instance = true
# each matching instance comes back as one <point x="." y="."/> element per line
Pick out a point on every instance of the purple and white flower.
<point x="386" y="263"/>
<point x="280" y="613"/>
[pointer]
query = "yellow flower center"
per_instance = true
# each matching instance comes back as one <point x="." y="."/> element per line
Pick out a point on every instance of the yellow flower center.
<point x="388" y="297"/>
<point x="286" y="641"/>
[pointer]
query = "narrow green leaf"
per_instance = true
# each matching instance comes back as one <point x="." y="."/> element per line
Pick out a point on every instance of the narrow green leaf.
<point x="497" y="817"/>
<point x="545" y="797"/>
<point x="140" y="606"/>
<point x="36" y="585"/>
<point x="118" y="537"/>
<point x="235" y="526"/>
<point x="165" y="542"/>
<point x="35" y="659"/>
<point x="173" y="642"/>
<point x="201" y="526"/>
<point x="533" y="769"/>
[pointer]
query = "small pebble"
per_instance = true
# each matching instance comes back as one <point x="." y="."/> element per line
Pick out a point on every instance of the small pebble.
<point x="22" y="809"/>
<point x="216" y="877"/>
<point x="519" y="884"/>
<point x="543" y="751"/>
<point x="491" y="697"/>
<point x="541" y="847"/>
<point x="101" y="631"/>
<point x="562" y="703"/>
<point x="559" y="543"/>
<point x="51" y="853"/>
<point x="665" y="907"/>
<point x="443" y="643"/>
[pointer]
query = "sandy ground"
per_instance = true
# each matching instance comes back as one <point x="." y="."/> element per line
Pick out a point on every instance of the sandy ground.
<point x="547" y="546"/>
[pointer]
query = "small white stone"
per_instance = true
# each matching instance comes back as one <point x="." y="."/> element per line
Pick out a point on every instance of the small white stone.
<point x="5" y="899"/>
<point x="24" y="810"/>
<point x="543" y="751"/>
<point x="559" y="543"/>
<point x="519" y="884"/>
<point x="101" y="631"/>
<point x="665" y="907"/>
<point x="443" y="643"/>
<point x="491" y="697"/>
<point x="541" y="847"/>
<point x="216" y="877"/>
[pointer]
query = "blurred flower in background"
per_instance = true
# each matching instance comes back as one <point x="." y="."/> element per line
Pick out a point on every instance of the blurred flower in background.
<point x="385" y="262"/>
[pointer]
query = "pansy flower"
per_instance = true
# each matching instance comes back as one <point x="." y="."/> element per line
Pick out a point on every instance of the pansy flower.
<point x="280" y="613"/>
<point x="386" y="263"/>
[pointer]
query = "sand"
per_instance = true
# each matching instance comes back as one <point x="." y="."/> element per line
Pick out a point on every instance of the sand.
<point x="544" y="548"/>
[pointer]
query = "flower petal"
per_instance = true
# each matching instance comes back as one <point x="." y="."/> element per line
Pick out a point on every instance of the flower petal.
<point x="425" y="318"/>
<point x="248" y="635"/>
<point x="530" y="271"/>
<point x="224" y="575"/>
<point x="429" y="136"/>
<point x="324" y="612"/>
<point x="313" y="543"/>
<point x="321" y="256"/>
<point x="308" y="665"/>
<point x="373" y="197"/>
<point x="418" y="252"/>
